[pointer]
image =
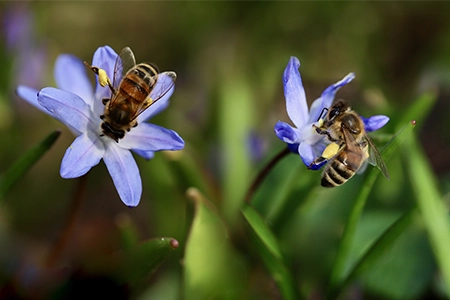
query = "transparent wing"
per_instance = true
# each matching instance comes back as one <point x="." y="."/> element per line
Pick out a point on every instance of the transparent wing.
<point x="125" y="61"/>
<point x="354" y="147"/>
<point x="164" y="82"/>
<point x="376" y="159"/>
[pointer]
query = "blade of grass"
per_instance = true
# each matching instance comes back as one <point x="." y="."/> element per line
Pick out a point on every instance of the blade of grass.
<point x="140" y="260"/>
<point x="213" y="269"/>
<point x="431" y="206"/>
<point x="236" y="115"/>
<point x="25" y="162"/>
<point x="343" y="253"/>
<point x="376" y="250"/>
<point x="269" y="250"/>
<point x="420" y="109"/>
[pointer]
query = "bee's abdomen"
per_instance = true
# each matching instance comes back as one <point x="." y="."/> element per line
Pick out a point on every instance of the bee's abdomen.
<point x="138" y="83"/>
<point x="338" y="171"/>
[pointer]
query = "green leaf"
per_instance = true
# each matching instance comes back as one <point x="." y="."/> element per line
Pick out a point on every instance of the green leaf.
<point x="270" y="253"/>
<point x="420" y="109"/>
<point x="431" y="206"/>
<point x="383" y="242"/>
<point x="262" y="230"/>
<point x="236" y="115"/>
<point x="137" y="262"/>
<point x="213" y="269"/>
<point x="395" y="272"/>
<point x="127" y="231"/>
<point x="340" y="267"/>
<point x="21" y="166"/>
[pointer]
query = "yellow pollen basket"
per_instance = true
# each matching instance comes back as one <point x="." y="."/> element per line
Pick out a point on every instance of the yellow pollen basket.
<point x="148" y="102"/>
<point x="103" y="78"/>
<point x="330" y="151"/>
<point x="320" y="123"/>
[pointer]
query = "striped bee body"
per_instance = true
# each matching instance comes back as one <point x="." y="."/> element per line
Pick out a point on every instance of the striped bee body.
<point x="134" y="89"/>
<point x="342" y="126"/>
<point x="344" y="165"/>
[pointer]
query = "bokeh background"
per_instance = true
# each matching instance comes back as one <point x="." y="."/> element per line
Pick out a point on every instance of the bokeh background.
<point x="229" y="58"/>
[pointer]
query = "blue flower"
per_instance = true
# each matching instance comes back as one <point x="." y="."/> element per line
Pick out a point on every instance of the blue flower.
<point x="77" y="106"/>
<point x="302" y="138"/>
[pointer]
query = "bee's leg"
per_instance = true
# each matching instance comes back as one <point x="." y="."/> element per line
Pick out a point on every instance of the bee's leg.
<point x="321" y="113"/>
<point x="318" y="161"/>
<point x="105" y="100"/>
<point x="328" y="153"/>
<point x="324" y="132"/>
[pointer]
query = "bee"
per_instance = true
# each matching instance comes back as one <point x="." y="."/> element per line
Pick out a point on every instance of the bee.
<point x="134" y="89"/>
<point x="349" y="147"/>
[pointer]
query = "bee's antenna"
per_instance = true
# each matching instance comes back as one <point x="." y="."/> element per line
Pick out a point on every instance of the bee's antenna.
<point x="320" y="116"/>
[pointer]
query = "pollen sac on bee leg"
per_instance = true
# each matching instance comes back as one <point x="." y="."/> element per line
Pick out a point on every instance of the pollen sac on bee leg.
<point x="328" y="153"/>
<point x="103" y="78"/>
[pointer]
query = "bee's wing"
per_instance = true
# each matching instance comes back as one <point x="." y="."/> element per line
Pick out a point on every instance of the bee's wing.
<point x="376" y="159"/>
<point x="124" y="62"/>
<point x="164" y="82"/>
<point x="354" y="148"/>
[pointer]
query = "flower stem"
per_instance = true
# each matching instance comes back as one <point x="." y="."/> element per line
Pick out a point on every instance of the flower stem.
<point x="75" y="207"/>
<point x="263" y="173"/>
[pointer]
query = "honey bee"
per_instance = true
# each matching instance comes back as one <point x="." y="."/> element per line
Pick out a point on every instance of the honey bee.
<point x="134" y="89"/>
<point x="349" y="146"/>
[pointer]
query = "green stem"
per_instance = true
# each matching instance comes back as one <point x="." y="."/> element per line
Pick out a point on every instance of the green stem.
<point x="75" y="207"/>
<point x="262" y="175"/>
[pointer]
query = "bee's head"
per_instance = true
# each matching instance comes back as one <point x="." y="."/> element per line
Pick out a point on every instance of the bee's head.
<point x="111" y="132"/>
<point x="338" y="107"/>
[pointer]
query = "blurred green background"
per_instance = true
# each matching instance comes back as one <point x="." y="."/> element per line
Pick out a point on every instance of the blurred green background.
<point x="229" y="58"/>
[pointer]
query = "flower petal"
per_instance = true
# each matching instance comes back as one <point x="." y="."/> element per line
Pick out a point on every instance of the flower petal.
<point x="70" y="75"/>
<point x="104" y="58"/>
<point x="147" y="155"/>
<point x="307" y="153"/>
<point x="68" y="108"/>
<point x="150" y="137"/>
<point x="31" y="96"/>
<point x="375" y="122"/>
<point x="296" y="105"/>
<point x="286" y="133"/>
<point x="327" y="97"/>
<point x="124" y="172"/>
<point x="84" y="153"/>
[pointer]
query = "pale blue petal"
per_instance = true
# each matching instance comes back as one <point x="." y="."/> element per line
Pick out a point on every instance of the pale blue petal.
<point x="375" y="122"/>
<point x="124" y="172"/>
<point x="296" y="105"/>
<point x="307" y="153"/>
<point x="68" y="108"/>
<point x="317" y="153"/>
<point x="327" y="97"/>
<point x="150" y="137"/>
<point x="144" y="154"/>
<point x="70" y="75"/>
<point x="286" y="133"/>
<point x="31" y="96"/>
<point x="84" y="153"/>
<point x="317" y="111"/>
<point x="104" y="58"/>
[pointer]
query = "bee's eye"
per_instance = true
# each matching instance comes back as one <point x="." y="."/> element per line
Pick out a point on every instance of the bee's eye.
<point x="334" y="112"/>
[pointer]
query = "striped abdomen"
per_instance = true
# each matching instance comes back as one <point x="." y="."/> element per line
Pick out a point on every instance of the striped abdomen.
<point x="343" y="167"/>
<point x="133" y="90"/>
